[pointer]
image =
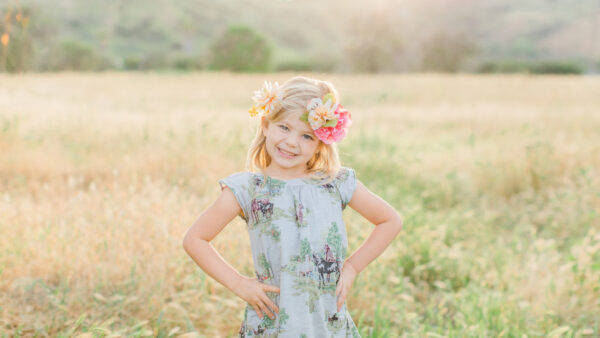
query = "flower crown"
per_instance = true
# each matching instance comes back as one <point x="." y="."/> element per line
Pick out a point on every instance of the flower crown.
<point x="328" y="119"/>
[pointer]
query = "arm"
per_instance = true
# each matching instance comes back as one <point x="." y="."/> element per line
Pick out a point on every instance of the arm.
<point x="196" y="244"/>
<point x="388" y="224"/>
<point x="205" y="228"/>
<point x="387" y="221"/>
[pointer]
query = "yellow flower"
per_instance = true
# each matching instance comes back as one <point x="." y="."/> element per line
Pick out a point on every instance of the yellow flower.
<point x="253" y="112"/>
<point x="267" y="99"/>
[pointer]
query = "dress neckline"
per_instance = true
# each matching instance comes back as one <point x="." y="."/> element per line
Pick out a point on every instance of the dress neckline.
<point x="296" y="180"/>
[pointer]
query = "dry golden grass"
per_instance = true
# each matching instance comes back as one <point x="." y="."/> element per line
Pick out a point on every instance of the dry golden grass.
<point x="497" y="178"/>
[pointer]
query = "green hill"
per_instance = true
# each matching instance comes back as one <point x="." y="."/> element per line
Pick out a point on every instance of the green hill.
<point x="331" y="35"/>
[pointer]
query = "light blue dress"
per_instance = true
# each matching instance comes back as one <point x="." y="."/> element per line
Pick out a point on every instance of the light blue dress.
<point x="299" y="242"/>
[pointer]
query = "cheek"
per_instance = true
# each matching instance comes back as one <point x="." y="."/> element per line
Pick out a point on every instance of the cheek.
<point x="311" y="147"/>
<point x="273" y="136"/>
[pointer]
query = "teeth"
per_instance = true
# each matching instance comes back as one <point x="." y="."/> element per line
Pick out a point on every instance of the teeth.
<point x="286" y="152"/>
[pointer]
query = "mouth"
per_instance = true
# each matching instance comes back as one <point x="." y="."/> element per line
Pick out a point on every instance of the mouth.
<point x="286" y="154"/>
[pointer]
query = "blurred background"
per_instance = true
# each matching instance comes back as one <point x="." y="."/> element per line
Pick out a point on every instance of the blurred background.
<point x="533" y="36"/>
<point x="477" y="120"/>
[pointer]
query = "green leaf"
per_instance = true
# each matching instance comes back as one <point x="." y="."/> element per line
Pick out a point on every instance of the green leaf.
<point x="328" y="97"/>
<point x="331" y="123"/>
<point x="304" y="117"/>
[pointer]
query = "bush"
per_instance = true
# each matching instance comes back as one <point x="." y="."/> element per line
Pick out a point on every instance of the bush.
<point x="548" y="67"/>
<point x="556" y="68"/>
<point x="315" y="64"/>
<point x="294" y="66"/>
<point x="241" y="49"/>
<point x="446" y="53"/>
<point x="78" y="56"/>
<point x="503" y="67"/>
<point x="131" y="63"/>
<point x="155" y="60"/>
<point x="186" y="63"/>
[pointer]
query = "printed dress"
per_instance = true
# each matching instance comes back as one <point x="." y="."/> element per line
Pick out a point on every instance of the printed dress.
<point x="299" y="242"/>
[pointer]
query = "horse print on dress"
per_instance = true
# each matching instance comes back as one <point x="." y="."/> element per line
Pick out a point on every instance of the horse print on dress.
<point x="331" y="190"/>
<point x="335" y="322"/>
<point x="264" y="206"/>
<point x="329" y="187"/>
<point x="263" y="212"/>
<point x="326" y="267"/>
<point x="332" y="318"/>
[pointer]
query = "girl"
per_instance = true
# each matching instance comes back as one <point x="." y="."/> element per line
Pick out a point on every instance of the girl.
<point x="292" y="200"/>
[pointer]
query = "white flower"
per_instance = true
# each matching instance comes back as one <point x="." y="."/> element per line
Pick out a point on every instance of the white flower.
<point x="319" y="113"/>
<point x="268" y="98"/>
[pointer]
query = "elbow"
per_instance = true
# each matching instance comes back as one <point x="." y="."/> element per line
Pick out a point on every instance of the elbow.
<point x="185" y="243"/>
<point x="398" y="222"/>
<point x="189" y="242"/>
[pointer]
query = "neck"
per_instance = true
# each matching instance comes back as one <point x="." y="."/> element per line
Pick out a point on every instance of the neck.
<point x="285" y="174"/>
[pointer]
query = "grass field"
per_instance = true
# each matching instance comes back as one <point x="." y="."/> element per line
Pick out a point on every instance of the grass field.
<point x="497" y="179"/>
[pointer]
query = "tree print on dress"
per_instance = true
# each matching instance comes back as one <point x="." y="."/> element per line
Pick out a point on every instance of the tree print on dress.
<point x="274" y="187"/>
<point x="267" y="327"/>
<point x="269" y="187"/>
<point x="298" y="213"/>
<point x="265" y="267"/>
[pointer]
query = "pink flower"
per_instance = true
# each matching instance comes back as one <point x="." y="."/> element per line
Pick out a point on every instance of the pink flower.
<point x="335" y="134"/>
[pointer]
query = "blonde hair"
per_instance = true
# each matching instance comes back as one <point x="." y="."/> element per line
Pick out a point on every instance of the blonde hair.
<point x="297" y="92"/>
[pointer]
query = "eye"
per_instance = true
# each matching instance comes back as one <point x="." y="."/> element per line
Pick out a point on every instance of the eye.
<point x="283" y="127"/>
<point x="308" y="137"/>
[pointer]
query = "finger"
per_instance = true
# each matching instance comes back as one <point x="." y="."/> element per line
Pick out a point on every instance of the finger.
<point x="343" y="296"/>
<point x="338" y="290"/>
<point x="340" y="302"/>
<point x="270" y="303"/>
<point x="257" y="311"/>
<point x="271" y="288"/>
<point x="340" y="299"/>
<point x="264" y="308"/>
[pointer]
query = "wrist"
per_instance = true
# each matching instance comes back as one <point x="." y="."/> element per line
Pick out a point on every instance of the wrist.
<point x="235" y="285"/>
<point x="352" y="266"/>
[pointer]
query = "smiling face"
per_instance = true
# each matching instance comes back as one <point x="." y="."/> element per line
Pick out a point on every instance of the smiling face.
<point x="291" y="143"/>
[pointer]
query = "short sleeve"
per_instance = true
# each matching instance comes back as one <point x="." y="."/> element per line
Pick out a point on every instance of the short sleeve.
<point x="239" y="183"/>
<point x="346" y="183"/>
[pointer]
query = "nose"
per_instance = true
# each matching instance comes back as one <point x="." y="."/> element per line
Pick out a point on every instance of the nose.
<point x="291" y="141"/>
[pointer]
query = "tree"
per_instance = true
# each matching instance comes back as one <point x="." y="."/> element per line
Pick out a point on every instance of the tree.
<point x="305" y="249"/>
<point x="373" y="43"/>
<point x="334" y="239"/>
<point x="241" y="49"/>
<point x="16" y="43"/>
<point x="446" y="53"/>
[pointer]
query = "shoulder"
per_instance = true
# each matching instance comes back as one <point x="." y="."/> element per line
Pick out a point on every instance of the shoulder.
<point x="241" y="175"/>
<point x="344" y="173"/>
<point x="238" y="179"/>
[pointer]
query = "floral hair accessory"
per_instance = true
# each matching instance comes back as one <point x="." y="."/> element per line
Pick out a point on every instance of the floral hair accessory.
<point x="329" y="120"/>
<point x="267" y="99"/>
